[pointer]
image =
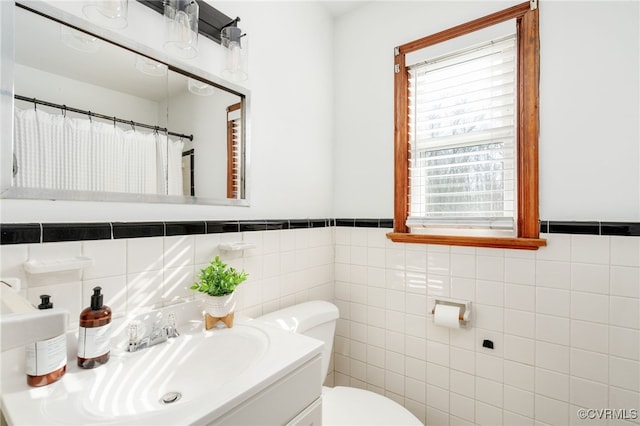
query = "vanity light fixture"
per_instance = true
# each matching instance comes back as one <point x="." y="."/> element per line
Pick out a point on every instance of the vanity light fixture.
<point x="198" y="87"/>
<point x="150" y="67"/>
<point x="107" y="13"/>
<point x="181" y="23"/>
<point x="235" y="44"/>
<point x="212" y="24"/>
<point x="78" y="40"/>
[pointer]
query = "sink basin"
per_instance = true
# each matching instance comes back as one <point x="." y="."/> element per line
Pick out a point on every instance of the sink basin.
<point x="133" y="384"/>
<point x="202" y="374"/>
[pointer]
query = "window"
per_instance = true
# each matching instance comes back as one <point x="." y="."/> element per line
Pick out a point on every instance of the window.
<point x="234" y="161"/>
<point x="466" y="115"/>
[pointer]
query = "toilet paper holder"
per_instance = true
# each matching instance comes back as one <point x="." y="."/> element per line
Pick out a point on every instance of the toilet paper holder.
<point x="464" y="305"/>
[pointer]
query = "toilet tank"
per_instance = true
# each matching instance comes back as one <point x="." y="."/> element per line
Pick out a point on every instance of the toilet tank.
<point x="315" y="319"/>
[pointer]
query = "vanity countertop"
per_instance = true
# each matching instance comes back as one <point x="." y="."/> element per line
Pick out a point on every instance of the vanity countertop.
<point x="214" y="370"/>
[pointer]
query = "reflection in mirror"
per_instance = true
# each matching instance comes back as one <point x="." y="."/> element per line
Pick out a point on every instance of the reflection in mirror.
<point x="95" y="118"/>
<point x="195" y="105"/>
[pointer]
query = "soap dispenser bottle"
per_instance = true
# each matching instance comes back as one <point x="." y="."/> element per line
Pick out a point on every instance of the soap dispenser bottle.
<point x="46" y="360"/>
<point x="94" y="333"/>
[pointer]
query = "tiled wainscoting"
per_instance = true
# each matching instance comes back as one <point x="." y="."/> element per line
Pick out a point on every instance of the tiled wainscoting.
<point x="564" y="320"/>
<point x="286" y="267"/>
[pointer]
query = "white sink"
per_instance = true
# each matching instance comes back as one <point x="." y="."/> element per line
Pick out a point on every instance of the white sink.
<point x="212" y="371"/>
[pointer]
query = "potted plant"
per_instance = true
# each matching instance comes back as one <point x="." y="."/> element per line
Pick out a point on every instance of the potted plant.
<point x="219" y="282"/>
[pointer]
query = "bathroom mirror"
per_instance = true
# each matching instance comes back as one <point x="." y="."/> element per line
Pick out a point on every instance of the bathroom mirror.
<point x="100" y="121"/>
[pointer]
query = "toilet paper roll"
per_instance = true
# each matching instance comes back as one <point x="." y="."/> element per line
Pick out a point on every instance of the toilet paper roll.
<point x="447" y="316"/>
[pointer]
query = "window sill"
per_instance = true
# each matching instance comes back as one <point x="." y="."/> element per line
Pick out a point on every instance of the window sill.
<point x="489" y="242"/>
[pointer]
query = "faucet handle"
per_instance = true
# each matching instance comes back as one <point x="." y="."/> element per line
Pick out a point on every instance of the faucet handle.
<point x="170" y="329"/>
<point x="136" y="335"/>
<point x="136" y="331"/>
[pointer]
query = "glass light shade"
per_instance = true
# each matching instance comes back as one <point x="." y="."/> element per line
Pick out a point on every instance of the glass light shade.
<point x="150" y="67"/>
<point x="236" y="49"/>
<point x="107" y="13"/>
<point x="197" y="87"/>
<point x="181" y="23"/>
<point x="78" y="40"/>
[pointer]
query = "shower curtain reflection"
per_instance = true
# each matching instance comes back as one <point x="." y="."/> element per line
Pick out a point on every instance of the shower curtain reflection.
<point x="53" y="151"/>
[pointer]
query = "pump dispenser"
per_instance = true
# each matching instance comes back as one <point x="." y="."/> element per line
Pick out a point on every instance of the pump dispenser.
<point x="46" y="360"/>
<point x="45" y="302"/>
<point x="94" y="333"/>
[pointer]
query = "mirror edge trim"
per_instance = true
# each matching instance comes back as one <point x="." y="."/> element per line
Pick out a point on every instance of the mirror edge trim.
<point x="6" y="94"/>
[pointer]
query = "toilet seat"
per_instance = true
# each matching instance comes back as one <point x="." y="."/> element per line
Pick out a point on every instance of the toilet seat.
<point x="346" y="406"/>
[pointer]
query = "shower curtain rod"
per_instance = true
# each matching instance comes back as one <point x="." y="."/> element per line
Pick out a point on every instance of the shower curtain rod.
<point x="105" y="117"/>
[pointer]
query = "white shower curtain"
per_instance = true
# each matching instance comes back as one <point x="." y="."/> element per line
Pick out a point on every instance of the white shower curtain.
<point x="170" y="156"/>
<point x="36" y="162"/>
<point x="56" y="152"/>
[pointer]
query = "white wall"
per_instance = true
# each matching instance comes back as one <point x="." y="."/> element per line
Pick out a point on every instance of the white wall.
<point x="291" y="122"/>
<point x="589" y="109"/>
<point x="205" y="117"/>
<point x="31" y="82"/>
<point x="589" y="104"/>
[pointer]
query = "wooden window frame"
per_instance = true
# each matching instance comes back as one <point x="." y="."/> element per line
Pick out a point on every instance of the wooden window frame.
<point x="233" y="173"/>
<point x="528" y="229"/>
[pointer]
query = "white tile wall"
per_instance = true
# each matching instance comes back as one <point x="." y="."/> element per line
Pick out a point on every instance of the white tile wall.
<point x="564" y="320"/>
<point x="137" y="274"/>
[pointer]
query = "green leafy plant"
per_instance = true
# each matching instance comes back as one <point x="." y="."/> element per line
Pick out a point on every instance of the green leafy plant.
<point x="219" y="279"/>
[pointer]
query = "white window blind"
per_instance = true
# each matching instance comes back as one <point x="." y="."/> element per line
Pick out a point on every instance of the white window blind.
<point x="462" y="134"/>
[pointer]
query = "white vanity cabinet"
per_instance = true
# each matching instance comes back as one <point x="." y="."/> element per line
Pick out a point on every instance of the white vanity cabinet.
<point x="311" y="416"/>
<point x="292" y="400"/>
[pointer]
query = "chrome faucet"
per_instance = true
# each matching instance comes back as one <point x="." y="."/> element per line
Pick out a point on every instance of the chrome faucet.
<point x="159" y="334"/>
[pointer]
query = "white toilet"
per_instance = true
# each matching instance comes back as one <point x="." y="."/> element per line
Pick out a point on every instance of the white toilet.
<point x="340" y="405"/>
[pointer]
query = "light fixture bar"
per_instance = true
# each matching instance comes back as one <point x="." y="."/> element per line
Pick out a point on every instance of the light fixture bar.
<point x="210" y="20"/>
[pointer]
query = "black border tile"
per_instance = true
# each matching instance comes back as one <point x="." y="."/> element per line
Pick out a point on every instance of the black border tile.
<point x="299" y="223"/>
<point x="56" y="232"/>
<point x="275" y="225"/>
<point x="318" y="223"/>
<point x="386" y="223"/>
<point x="137" y="229"/>
<point x="626" y="229"/>
<point x="222" y="226"/>
<point x="32" y="233"/>
<point x="366" y="223"/>
<point x="253" y="225"/>
<point x="184" y="228"/>
<point x="544" y="226"/>
<point x="346" y="222"/>
<point x="587" y="228"/>
<point x="20" y="233"/>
